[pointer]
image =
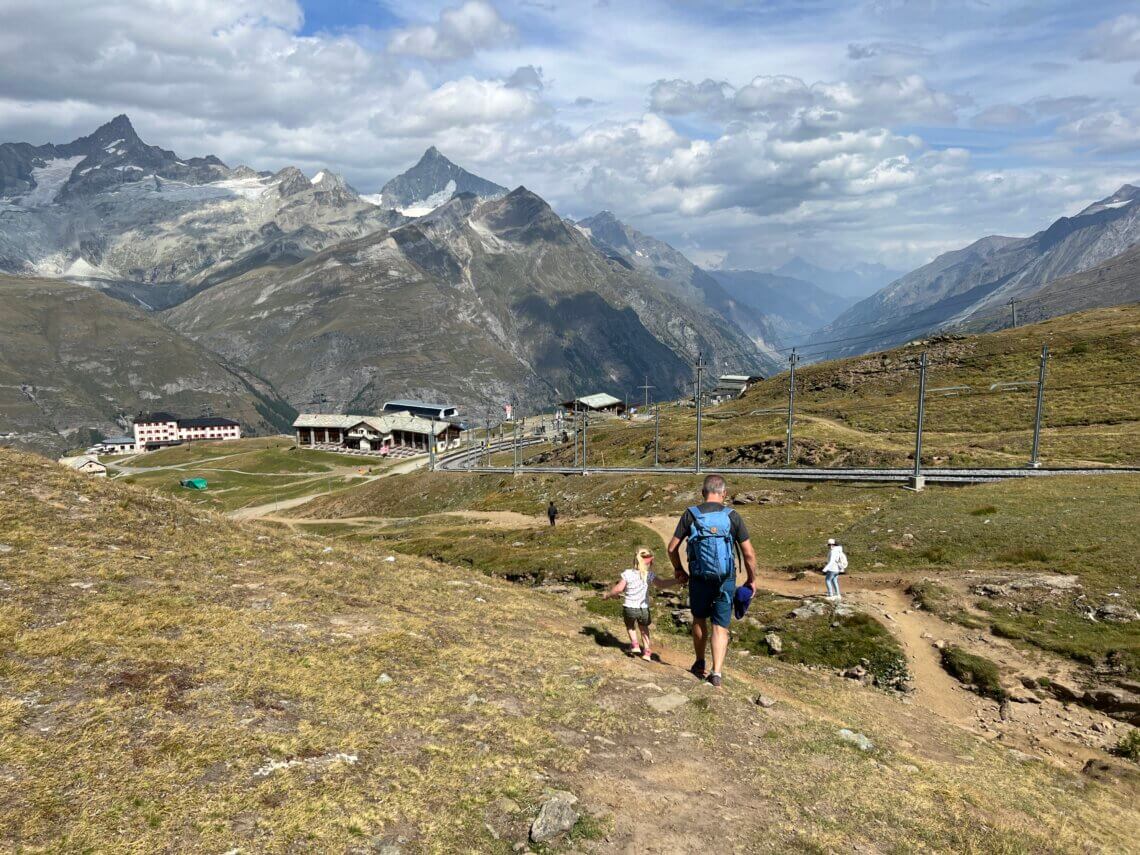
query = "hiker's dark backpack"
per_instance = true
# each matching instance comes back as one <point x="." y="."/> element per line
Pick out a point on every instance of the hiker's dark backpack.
<point x="710" y="546"/>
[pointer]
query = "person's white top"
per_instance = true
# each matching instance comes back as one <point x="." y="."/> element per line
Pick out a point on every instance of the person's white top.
<point x="636" y="591"/>
<point x="834" y="564"/>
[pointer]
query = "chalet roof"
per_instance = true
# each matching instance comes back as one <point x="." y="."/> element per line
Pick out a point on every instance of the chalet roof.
<point x="396" y="406"/>
<point x="117" y="440"/>
<point x="82" y="461"/>
<point x="740" y="378"/>
<point x="326" y="420"/>
<point x="595" y="402"/>
<point x="406" y="422"/>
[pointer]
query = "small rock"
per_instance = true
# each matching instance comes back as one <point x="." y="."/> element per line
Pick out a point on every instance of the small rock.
<point x="809" y="609"/>
<point x="1004" y="710"/>
<point x="505" y="805"/>
<point x="682" y="617"/>
<point x="556" y="816"/>
<point x="774" y="642"/>
<point x="908" y="536"/>
<point x="390" y="559"/>
<point x="383" y="678"/>
<point x="857" y="672"/>
<point x="765" y="701"/>
<point x="939" y="645"/>
<point x="926" y="635"/>
<point x="646" y="755"/>
<point x="5" y="548"/>
<point x="1101" y="727"/>
<point x="667" y="703"/>
<point x="843" y="611"/>
<point x="857" y="739"/>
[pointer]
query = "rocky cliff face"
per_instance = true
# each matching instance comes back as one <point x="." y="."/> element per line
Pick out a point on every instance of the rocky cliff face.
<point x="479" y="301"/>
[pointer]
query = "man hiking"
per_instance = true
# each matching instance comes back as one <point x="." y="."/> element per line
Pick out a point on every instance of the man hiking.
<point x="712" y="531"/>
<point x="551" y="512"/>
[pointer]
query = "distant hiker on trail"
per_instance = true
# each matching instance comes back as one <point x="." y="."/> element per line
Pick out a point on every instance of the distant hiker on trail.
<point x="635" y="584"/>
<point x="551" y="512"/>
<point x="836" y="565"/>
<point x="712" y="531"/>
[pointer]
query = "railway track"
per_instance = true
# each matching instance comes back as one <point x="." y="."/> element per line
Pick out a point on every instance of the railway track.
<point x="458" y="462"/>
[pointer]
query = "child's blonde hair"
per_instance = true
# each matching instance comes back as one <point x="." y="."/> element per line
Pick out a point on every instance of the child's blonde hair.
<point x="643" y="565"/>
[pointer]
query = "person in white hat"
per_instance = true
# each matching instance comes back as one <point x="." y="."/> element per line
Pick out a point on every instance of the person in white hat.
<point x="836" y="564"/>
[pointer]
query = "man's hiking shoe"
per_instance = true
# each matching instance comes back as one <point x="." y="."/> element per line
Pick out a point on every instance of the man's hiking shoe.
<point x="716" y="679"/>
<point x="634" y="651"/>
<point x="698" y="669"/>
<point x="647" y="655"/>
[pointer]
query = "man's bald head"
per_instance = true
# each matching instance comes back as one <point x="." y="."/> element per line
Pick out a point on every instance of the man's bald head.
<point x="714" y="486"/>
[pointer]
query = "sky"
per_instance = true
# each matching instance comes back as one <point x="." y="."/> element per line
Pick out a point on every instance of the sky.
<point x="743" y="133"/>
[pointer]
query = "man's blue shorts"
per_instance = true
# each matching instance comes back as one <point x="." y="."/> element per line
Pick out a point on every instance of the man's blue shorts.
<point x="712" y="599"/>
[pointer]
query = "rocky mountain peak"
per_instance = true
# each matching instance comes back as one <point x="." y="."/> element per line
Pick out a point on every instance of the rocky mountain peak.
<point x="431" y="182"/>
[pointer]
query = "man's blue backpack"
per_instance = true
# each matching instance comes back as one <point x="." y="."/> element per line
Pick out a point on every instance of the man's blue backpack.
<point x="710" y="546"/>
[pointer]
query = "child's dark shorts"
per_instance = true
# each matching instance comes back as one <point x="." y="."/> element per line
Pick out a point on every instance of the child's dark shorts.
<point x="640" y="615"/>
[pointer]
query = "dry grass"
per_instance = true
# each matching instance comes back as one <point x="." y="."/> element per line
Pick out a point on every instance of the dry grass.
<point x="172" y="682"/>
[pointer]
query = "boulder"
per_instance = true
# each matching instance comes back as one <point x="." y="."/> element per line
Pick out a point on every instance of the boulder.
<point x="774" y="642"/>
<point x="1117" y="613"/>
<point x="857" y="739"/>
<point x="682" y="617"/>
<point x="556" y="816"/>
<point x="765" y="701"/>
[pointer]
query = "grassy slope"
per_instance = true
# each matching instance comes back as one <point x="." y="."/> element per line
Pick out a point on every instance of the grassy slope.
<point x="248" y="472"/>
<point x="965" y="535"/>
<point x="93" y="359"/>
<point x="153" y="659"/>
<point x="861" y="411"/>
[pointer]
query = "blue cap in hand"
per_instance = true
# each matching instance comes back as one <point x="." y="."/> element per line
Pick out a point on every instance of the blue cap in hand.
<point x="741" y="601"/>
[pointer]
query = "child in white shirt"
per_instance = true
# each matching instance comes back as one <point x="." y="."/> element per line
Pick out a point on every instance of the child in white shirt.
<point x="634" y="584"/>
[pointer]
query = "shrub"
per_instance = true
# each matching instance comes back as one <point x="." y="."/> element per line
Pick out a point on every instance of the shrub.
<point x="983" y="511"/>
<point x="976" y="672"/>
<point x="1129" y="746"/>
<point x="933" y="554"/>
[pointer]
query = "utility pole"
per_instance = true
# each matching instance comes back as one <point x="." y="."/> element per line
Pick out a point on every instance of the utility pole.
<point x="585" y="424"/>
<point x="700" y="371"/>
<point x="1034" y="463"/>
<point x="515" y="458"/>
<point x="645" y="387"/>
<point x="431" y="447"/>
<point x="656" y="433"/>
<point x="577" y="437"/>
<point x="486" y="438"/>
<point x="917" y="481"/>
<point x="1013" y="307"/>
<point x="792" y="360"/>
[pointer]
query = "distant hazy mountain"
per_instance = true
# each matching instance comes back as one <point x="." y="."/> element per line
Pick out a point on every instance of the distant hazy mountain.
<point x="795" y="305"/>
<point x="478" y="302"/>
<point x="689" y="282"/>
<point x="74" y="361"/>
<point x="974" y="285"/>
<point x="113" y="211"/>
<point x="854" y="282"/>
<point x="430" y="183"/>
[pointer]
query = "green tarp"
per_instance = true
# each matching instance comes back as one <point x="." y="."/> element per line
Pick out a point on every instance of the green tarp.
<point x="194" y="483"/>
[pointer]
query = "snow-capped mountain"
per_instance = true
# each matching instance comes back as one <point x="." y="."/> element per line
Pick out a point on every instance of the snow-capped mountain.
<point x="431" y="182"/>
<point x="113" y="210"/>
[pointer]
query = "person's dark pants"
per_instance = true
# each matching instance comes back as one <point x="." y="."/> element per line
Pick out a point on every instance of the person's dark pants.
<point x="551" y="516"/>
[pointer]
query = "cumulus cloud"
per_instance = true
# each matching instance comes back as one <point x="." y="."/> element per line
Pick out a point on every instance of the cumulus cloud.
<point x="458" y="33"/>
<point x="1109" y="131"/>
<point x="1117" y="40"/>
<point x="525" y="77"/>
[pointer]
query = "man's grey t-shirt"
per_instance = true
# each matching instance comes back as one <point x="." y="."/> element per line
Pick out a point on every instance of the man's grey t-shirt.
<point x="684" y="526"/>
